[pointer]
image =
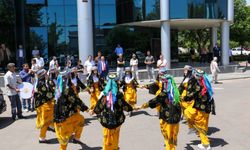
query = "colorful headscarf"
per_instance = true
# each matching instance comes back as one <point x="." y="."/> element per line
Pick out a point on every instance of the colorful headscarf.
<point x="204" y="81"/>
<point x="169" y="86"/>
<point x="59" y="87"/>
<point x="110" y="91"/>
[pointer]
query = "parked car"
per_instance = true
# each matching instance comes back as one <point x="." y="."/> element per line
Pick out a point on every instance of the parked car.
<point x="237" y="51"/>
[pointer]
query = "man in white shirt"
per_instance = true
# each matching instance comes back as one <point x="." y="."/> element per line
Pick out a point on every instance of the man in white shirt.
<point x="134" y="67"/>
<point x="40" y="62"/>
<point x="214" y="70"/>
<point x="35" y="52"/>
<point x="52" y="63"/>
<point x="161" y="63"/>
<point x="88" y="64"/>
<point x="10" y="81"/>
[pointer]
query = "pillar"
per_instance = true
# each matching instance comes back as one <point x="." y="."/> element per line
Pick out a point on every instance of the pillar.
<point x="214" y="36"/>
<point x="165" y="31"/>
<point x="225" y="42"/>
<point x="85" y="28"/>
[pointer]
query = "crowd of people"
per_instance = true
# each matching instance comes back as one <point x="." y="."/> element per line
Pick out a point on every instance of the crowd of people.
<point x="58" y="105"/>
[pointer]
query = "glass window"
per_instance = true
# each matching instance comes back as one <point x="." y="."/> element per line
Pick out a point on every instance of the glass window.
<point x="178" y="9"/>
<point x="35" y="1"/>
<point x="97" y="15"/>
<point x="107" y="2"/>
<point x="107" y="14"/>
<point x="55" y="2"/>
<point x="138" y="10"/>
<point x="152" y="10"/>
<point x="56" y="15"/>
<point x="39" y="37"/>
<point x="70" y="2"/>
<point x="70" y="16"/>
<point x="72" y="40"/>
<point x="36" y="15"/>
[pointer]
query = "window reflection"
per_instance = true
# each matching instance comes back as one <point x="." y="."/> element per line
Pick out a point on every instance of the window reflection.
<point x="70" y="16"/>
<point x="56" y="2"/>
<point x="56" y="15"/>
<point x="35" y="1"/>
<point x="107" y="15"/>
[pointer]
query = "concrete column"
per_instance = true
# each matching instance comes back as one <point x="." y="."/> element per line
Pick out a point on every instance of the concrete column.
<point x="230" y="10"/>
<point x="165" y="32"/>
<point x="85" y="29"/>
<point x="214" y="36"/>
<point x="225" y="42"/>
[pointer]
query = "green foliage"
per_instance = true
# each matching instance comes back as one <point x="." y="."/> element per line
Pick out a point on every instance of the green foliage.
<point x="240" y="30"/>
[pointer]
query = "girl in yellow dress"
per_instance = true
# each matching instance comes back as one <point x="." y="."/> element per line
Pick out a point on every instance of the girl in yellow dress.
<point x="44" y="104"/>
<point x="95" y="86"/>
<point x="197" y="103"/>
<point x="129" y="84"/>
<point x="170" y="110"/>
<point x="68" y="120"/>
<point x="110" y="107"/>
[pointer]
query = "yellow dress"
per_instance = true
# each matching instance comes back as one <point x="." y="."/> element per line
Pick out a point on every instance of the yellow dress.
<point x="94" y="95"/>
<point x="130" y="95"/>
<point x="195" y="118"/>
<point x="111" y="138"/>
<point x="44" y="117"/>
<point x="170" y="133"/>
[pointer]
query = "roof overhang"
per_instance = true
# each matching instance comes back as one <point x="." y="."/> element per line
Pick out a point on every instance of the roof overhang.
<point x="180" y="24"/>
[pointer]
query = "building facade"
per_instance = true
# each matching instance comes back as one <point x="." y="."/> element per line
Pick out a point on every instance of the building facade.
<point x="82" y="27"/>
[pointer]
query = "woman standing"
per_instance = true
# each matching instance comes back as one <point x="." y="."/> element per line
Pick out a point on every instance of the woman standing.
<point x="129" y="85"/>
<point x="68" y="120"/>
<point x="110" y="107"/>
<point x="134" y="67"/>
<point x="170" y="110"/>
<point x="95" y="86"/>
<point x="197" y="103"/>
<point x="44" y="104"/>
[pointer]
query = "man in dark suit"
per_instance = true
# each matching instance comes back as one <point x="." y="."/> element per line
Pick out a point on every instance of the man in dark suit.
<point x="103" y="68"/>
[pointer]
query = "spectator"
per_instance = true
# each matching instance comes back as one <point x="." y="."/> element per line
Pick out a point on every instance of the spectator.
<point x="53" y="63"/>
<point x="119" y="50"/>
<point x="134" y="67"/>
<point x="216" y="52"/>
<point x="80" y="70"/>
<point x="214" y="70"/>
<point x="68" y="66"/>
<point x="98" y="57"/>
<point x="149" y="61"/>
<point x="35" y="52"/>
<point x="120" y="67"/>
<point x="26" y="76"/>
<point x="5" y="56"/>
<point x="161" y="63"/>
<point x="103" y="68"/>
<point x="192" y="54"/>
<point x="10" y="81"/>
<point x="88" y="64"/>
<point x="203" y="55"/>
<point x="40" y="62"/>
<point x="20" y="55"/>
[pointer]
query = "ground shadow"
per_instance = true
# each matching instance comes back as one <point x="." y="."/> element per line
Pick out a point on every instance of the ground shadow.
<point x="53" y="141"/>
<point x="212" y="130"/>
<point x="135" y="113"/>
<point x="86" y="147"/>
<point x="32" y="116"/>
<point x="87" y="121"/>
<point x="5" y="122"/>
<point x="215" y="142"/>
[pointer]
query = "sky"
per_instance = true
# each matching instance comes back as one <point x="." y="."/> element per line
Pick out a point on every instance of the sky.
<point x="248" y="2"/>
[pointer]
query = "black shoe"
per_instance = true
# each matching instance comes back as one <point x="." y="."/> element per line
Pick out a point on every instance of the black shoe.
<point x="13" y="118"/>
<point x="22" y="117"/>
<point x="76" y="141"/>
<point x="44" y="141"/>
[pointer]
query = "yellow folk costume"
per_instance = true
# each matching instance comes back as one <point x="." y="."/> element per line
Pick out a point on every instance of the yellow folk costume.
<point x="129" y="87"/>
<point x="111" y="107"/>
<point x="44" y="104"/>
<point x="170" y="111"/>
<point x="95" y="84"/>
<point x="68" y="120"/>
<point x="197" y="103"/>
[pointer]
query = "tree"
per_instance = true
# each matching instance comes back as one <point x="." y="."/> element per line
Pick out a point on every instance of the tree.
<point x="240" y="30"/>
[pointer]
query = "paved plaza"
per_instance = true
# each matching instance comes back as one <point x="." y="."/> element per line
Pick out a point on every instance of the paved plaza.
<point x="228" y="130"/>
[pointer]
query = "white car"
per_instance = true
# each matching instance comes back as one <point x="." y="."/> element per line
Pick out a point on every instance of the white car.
<point x="237" y="51"/>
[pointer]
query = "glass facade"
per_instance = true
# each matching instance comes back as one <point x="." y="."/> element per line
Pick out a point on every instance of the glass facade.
<point x="51" y="25"/>
<point x="201" y="9"/>
<point x="137" y="10"/>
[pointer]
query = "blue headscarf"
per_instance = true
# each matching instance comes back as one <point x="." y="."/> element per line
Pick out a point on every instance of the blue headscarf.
<point x="110" y="91"/>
